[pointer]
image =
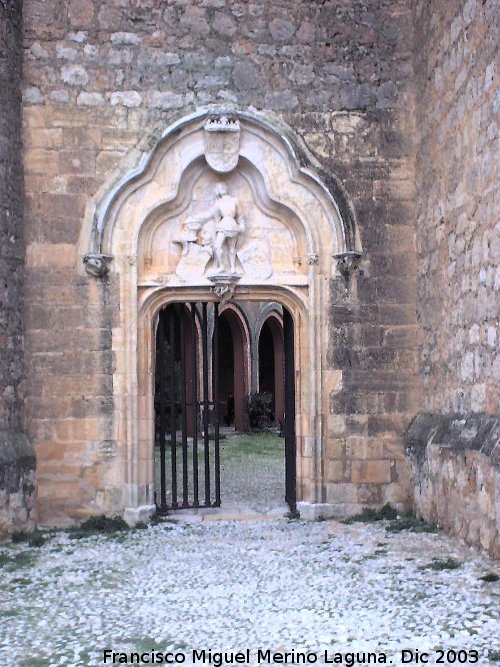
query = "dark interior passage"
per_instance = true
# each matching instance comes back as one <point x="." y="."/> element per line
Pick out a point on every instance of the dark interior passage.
<point x="232" y="387"/>
<point x="272" y="364"/>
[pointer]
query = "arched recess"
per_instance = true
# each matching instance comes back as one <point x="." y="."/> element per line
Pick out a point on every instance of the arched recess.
<point x="239" y="385"/>
<point x="274" y="323"/>
<point x="297" y="220"/>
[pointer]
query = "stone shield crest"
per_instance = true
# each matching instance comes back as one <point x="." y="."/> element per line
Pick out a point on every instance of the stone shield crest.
<point x="222" y="142"/>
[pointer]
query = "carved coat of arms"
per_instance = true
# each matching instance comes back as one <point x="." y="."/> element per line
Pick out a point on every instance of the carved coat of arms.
<point x="222" y="143"/>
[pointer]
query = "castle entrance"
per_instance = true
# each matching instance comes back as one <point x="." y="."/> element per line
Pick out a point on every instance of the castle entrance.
<point x="228" y="209"/>
<point x="198" y="366"/>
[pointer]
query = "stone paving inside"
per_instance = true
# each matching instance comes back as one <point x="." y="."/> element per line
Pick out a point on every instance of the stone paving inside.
<point x="250" y="584"/>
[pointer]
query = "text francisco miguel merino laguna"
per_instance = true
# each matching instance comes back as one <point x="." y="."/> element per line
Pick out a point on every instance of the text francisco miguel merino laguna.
<point x="247" y="656"/>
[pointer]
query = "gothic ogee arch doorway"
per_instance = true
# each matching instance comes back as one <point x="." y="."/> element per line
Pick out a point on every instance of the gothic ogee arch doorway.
<point x="228" y="206"/>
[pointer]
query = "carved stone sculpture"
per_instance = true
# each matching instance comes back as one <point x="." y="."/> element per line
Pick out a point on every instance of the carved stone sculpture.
<point x="97" y="264"/>
<point x="212" y="234"/>
<point x="348" y="261"/>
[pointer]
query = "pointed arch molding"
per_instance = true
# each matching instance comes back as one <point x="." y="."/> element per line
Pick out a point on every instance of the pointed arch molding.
<point x="294" y="211"/>
<point x="291" y="176"/>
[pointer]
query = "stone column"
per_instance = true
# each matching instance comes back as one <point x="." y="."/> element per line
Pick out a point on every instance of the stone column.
<point x="17" y="461"/>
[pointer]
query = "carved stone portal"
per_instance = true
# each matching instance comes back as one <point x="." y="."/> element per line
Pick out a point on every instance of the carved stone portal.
<point x="192" y="243"/>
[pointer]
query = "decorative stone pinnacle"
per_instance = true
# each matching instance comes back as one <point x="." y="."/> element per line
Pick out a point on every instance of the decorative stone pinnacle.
<point x="97" y="264"/>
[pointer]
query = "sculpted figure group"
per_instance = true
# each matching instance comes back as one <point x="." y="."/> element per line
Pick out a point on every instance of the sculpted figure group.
<point x="217" y="231"/>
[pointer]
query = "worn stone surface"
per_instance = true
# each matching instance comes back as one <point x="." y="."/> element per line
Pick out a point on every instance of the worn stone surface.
<point x="17" y="483"/>
<point x="457" y="204"/>
<point x="15" y="466"/>
<point x="455" y="464"/>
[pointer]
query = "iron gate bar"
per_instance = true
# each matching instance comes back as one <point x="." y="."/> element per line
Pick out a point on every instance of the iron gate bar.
<point x="185" y="499"/>
<point x="194" y="379"/>
<point x="162" y="408"/>
<point x="215" y="390"/>
<point x="206" y="443"/>
<point x="290" y="447"/>
<point x="172" y="389"/>
<point x="173" y="443"/>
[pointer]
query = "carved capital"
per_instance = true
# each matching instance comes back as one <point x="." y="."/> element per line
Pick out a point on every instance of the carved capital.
<point x="348" y="261"/>
<point x="97" y="264"/>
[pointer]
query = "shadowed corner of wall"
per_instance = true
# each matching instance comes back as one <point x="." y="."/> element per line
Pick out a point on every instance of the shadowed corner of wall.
<point x="17" y="483"/>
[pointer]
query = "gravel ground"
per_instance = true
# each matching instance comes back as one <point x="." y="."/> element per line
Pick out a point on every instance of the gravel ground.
<point x="250" y="584"/>
<point x="274" y="585"/>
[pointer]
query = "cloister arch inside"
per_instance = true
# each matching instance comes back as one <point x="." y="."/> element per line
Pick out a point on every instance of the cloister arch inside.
<point x="271" y="353"/>
<point x="158" y="233"/>
<point x="234" y="365"/>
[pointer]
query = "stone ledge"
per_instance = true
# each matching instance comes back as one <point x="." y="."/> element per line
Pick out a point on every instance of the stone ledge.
<point x="456" y="477"/>
<point x="478" y="432"/>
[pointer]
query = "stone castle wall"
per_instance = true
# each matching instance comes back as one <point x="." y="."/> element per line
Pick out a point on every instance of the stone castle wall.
<point x="456" y="463"/>
<point x="99" y="78"/>
<point x="17" y="483"/>
<point x="457" y="204"/>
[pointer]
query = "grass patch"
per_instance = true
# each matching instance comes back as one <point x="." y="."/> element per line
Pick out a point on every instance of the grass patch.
<point x="21" y="581"/>
<point x="411" y="522"/>
<point x="437" y="564"/>
<point x="155" y="520"/>
<point x="369" y="515"/>
<point x="490" y="577"/>
<point x="34" y="539"/>
<point x="140" y="525"/>
<point x="397" y="523"/>
<point x="20" y="536"/>
<point x="14" y="561"/>
<point x="98" y="525"/>
<point x="5" y="559"/>
<point x="104" y="524"/>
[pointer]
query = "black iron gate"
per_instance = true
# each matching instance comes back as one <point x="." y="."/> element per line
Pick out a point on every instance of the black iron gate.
<point x="186" y="408"/>
<point x="290" y="445"/>
<point x="187" y="451"/>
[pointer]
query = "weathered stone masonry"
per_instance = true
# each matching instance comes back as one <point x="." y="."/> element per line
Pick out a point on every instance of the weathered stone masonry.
<point x="17" y="460"/>
<point x="457" y="479"/>
<point x="99" y="80"/>
<point x="457" y="204"/>
<point x="395" y="99"/>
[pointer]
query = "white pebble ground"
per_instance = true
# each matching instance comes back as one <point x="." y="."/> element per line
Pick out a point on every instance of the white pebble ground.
<point x="236" y="585"/>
